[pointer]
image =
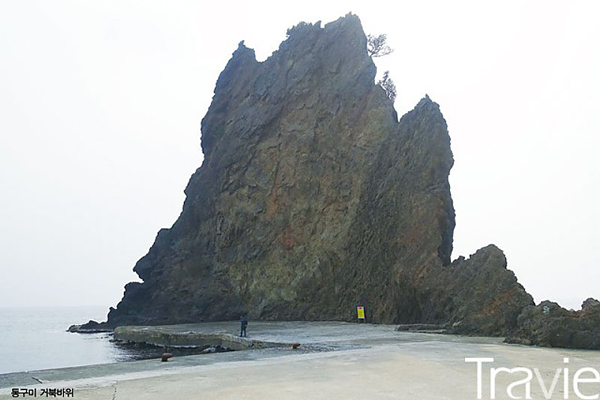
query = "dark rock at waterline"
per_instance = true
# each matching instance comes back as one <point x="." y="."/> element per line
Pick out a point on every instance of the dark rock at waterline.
<point x="90" y="327"/>
<point x="550" y="325"/>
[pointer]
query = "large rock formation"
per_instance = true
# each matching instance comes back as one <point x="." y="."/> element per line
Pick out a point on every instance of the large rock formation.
<point x="313" y="198"/>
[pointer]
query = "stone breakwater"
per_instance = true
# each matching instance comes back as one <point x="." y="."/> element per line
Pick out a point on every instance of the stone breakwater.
<point x="176" y="336"/>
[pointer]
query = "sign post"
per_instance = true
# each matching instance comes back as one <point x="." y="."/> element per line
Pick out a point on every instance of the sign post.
<point x="361" y="314"/>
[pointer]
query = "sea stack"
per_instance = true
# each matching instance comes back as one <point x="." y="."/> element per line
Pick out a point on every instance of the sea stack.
<point x="313" y="198"/>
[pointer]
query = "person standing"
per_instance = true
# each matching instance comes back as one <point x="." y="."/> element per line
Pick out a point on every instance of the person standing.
<point x="244" y="324"/>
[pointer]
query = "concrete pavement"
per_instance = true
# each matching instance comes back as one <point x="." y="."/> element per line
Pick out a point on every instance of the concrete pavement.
<point x="346" y="361"/>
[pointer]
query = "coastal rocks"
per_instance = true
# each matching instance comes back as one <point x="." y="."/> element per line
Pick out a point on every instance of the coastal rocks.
<point x="550" y="325"/>
<point x="89" y="327"/>
<point x="484" y="296"/>
<point x="313" y="198"/>
<point x="474" y="296"/>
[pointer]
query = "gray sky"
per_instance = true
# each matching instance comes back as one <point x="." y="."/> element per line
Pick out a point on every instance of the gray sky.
<point x="101" y="102"/>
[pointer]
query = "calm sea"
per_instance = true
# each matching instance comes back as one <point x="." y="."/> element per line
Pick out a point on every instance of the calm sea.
<point x="36" y="338"/>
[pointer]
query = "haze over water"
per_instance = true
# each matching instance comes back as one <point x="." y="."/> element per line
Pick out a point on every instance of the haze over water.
<point x="35" y="338"/>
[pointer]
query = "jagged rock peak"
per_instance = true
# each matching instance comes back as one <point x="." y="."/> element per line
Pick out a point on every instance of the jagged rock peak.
<point x="313" y="198"/>
<point x="334" y="57"/>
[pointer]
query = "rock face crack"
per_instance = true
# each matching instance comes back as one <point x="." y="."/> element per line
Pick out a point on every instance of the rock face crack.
<point x="313" y="198"/>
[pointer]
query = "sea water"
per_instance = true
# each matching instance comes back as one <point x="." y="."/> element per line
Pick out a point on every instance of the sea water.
<point x="36" y="338"/>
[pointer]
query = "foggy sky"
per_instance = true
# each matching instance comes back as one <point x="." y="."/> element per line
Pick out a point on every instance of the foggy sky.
<point x="101" y="105"/>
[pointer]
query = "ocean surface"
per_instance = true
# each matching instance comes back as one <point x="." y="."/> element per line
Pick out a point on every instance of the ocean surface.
<point x="36" y="338"/>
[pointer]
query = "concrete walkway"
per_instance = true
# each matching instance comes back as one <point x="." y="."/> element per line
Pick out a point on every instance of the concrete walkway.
<point x="310" y="335"/>
<point x="369" y="362"/>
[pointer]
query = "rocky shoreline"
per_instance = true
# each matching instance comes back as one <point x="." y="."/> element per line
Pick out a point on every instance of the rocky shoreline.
<point x="550" y="325"/>
<point x="313" y="199"/>
<point x="544" y="325"/>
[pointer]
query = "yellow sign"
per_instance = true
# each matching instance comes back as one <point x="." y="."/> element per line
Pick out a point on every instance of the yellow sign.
<point x="361" y="312"/>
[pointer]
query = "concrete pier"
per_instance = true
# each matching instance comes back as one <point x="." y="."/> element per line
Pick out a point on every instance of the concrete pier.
<point x="189" y="336"/>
